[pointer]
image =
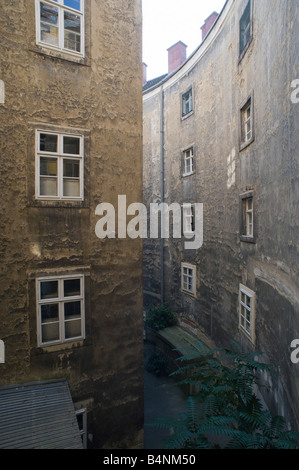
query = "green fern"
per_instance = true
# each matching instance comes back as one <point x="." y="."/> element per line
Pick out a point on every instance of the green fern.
<point x="225" y="412"/>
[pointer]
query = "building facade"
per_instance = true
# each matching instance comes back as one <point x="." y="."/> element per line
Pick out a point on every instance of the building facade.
<point x="71" y="138"/>
<point x="222" y="131"/>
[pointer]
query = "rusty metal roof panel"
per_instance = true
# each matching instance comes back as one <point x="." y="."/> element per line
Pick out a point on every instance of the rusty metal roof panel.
<point x="38" y="415"/>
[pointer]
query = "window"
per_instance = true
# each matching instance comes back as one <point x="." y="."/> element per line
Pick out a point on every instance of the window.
<point x="188" y="278"/>
<point x="245" y="28"/>
<point x="59" y="163"/>
<point x="246" y="124"/>
<point x="247" y="220"/>
<point x="82" y="423"/>
<point x="188" y="220"/>
<point x="247" y="311"/>
<point x="188" y="158"/>
<point x="187" y="104"/>
<point x="60" y="309"/>
<point x="60" y="25"/>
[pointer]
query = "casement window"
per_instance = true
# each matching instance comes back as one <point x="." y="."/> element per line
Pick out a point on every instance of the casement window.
<point x="246" y="118"/>
<point x="59" y="166"/>
<point x="188" y="220"/>
<point x="188" y="279"/>
<point x="247" y="299"/>
<point x="60" y="309"/>
<point x="247" y="217"/>
<point x="60" y="25"/>
<point x="245" y="28"/>
<point x="188" y="162"/>
<point x="187" y="103"/>
<point x="82" y="423"/>
<point x="246" y="122"/>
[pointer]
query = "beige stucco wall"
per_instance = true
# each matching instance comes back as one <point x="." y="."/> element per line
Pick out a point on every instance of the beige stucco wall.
<point x="98" y="96"/>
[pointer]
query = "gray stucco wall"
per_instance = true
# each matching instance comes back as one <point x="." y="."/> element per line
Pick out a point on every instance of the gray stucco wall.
<point x="221" y="84"/>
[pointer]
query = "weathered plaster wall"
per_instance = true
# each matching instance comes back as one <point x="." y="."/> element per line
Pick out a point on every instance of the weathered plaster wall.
<point x="268" y="166"/>
<point x="101" y="97"/>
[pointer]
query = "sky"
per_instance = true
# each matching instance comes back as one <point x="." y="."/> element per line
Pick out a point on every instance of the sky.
<point x="166" y="22"/>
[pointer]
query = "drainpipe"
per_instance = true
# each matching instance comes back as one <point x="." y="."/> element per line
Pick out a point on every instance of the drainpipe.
<point x="162" y="190"/>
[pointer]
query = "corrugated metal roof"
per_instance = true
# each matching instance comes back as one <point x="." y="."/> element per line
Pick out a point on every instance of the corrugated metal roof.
<point x="38" y="415"/>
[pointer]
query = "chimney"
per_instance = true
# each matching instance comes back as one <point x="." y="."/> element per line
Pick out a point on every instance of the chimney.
<point x="144" y="72"/>
<point x="176" y="56"/>
<point x="208" y="24"/>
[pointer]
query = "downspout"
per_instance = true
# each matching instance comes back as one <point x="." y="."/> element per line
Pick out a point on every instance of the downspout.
<point x="162" y="191"/>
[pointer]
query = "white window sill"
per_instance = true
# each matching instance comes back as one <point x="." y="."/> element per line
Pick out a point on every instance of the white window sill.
<point x="58" y="345"/>
<point x="243" y="145"/>
<point x="245" y="333"/>
<point x="187" y="115"/>
<point x="190" y="294"/>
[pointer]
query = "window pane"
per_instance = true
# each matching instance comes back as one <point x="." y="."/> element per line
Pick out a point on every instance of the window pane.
<point x="72" y="41"/>
<point x="49" y="313"/>
<point x="71" y="145"/>
<point x="72" y="329"/>
<point x="48" y="14"/>
<point x="72" y="310"/>
<point x="245" y="27"/>
<point x="80" y="420"/>
<point x="48" y="166"/>
<point x="187" y="103"/>
<point x="50" y="332"/>
<point x="75" y="4"/>
<point x="71" y="168"/>
<point x="49" y="24"/>
<point x="48" y="186"/>
<point x="48" y="143"/>
<point x="72" y="287"/>
<point x="49" y="290"/>
<point x="71" y="188"/>
<point x="72" y="37"/>
<point x="72" y="22"/>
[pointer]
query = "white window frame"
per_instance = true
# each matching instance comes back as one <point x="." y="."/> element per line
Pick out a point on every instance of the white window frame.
<point x="188" y="219"/>
<point x="61" y="9"/>
<point x="248" y="217"/>
<point x="188" y="272"/>
<point x="188" y="157"/>
<point x="83" y="430"/>
<point x="246" y="122"/>
<point x="60" y="156"/>
<point x="188" y="101"/>
<point x="60" y="300"/>
<point x="247" y="301"/>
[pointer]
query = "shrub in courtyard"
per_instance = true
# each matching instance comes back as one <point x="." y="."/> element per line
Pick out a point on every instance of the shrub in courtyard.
<point x="225" y="413"/>
<point x="160" y="317"/>
<point x="157" y="365"/>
